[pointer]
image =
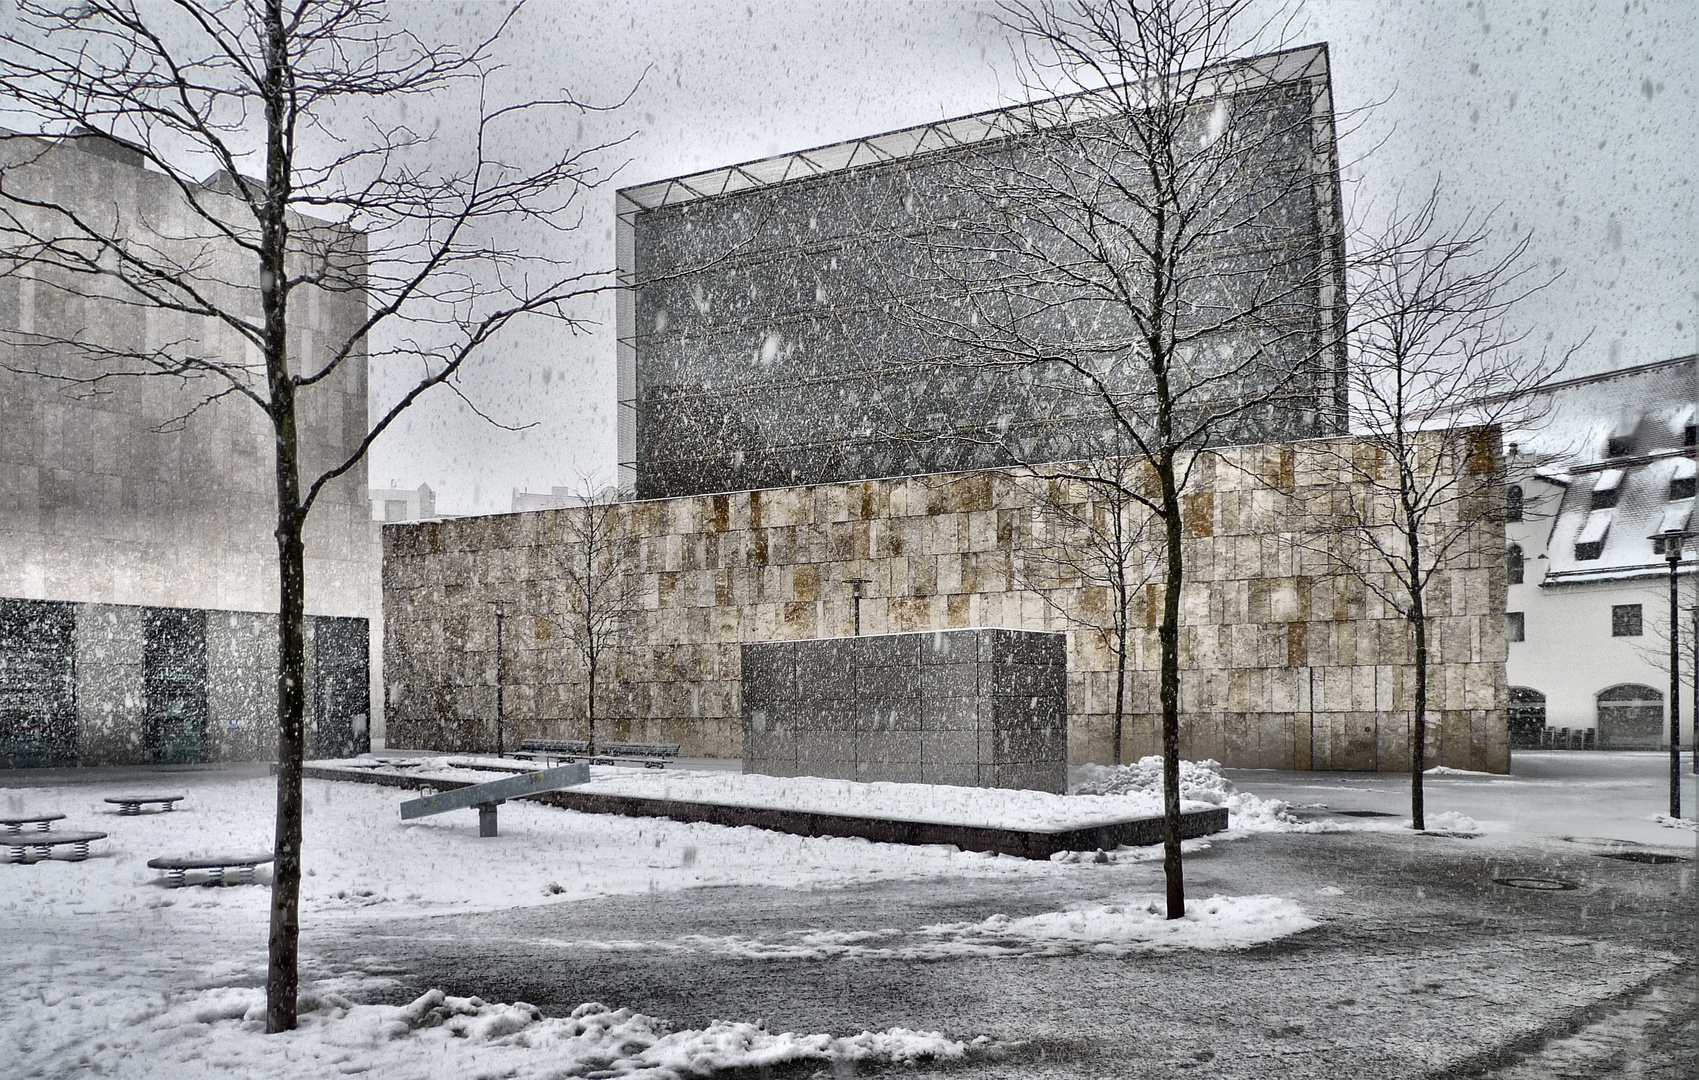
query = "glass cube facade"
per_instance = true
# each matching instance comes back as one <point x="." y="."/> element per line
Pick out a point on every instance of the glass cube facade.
<point x="875" y="308"/>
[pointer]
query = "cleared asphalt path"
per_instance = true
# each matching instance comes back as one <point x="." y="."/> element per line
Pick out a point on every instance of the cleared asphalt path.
<point x="1424" y="965"/>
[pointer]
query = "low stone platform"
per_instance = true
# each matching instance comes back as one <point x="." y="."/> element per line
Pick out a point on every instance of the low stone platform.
<point x="1025" y="843"/>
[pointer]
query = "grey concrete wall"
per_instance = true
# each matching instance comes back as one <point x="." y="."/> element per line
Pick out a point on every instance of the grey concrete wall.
<point x="147" y="494"/>
<point x="978" y="708"/>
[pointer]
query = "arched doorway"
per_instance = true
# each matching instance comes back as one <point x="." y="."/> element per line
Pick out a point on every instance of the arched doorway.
<point x="1527" y="717"/>
<point x="1631" y="717"/>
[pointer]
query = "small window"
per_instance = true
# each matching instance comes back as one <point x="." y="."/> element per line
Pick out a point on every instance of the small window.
<point x="1513" y="564"/>
<point x="1515" y="626"/>
<point x="1513" y="503"/>
<point x="1619" y="446"/>
<point x="395" y="509"/>
<point x="1688" y="435"/>
<point x="1681" y="487"/>
<point x="1625" y="620"/>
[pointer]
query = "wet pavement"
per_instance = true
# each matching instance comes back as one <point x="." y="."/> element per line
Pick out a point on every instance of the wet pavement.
<point x="1429" y="962"/>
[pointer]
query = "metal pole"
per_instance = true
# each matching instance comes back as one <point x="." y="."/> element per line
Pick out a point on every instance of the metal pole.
<point x="855" y="584"/>
<point x="1672" y="555"/>
<point x="1695" y="640"/>
<point x="501" y="747"/>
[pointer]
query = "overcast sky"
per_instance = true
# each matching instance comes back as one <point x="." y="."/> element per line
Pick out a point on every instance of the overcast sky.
<point x="1572" y="119"/>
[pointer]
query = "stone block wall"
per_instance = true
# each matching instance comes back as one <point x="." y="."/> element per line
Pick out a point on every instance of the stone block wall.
<point x="977" y="708"/>
<point x="1285" y="662"/>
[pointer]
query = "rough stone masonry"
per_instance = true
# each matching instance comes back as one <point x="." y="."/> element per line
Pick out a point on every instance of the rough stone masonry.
<point x="1285" y="664"/>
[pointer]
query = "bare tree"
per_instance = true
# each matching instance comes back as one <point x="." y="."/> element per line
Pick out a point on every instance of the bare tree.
<point x="1146" y="261"/>
<point x="598" y="590"/>
<point x="1090" y="533"/>
<point x="1436" y="375"/>
<point x="431" y="234"/>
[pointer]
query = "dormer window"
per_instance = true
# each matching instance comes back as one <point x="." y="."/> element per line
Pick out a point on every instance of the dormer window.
<point x="1689" y="435"/>
<point x="1681" y="481"/>
<point x="1590" y="544"/>
<point x="1619" y="446"/>
<point x="1606" y="489"/>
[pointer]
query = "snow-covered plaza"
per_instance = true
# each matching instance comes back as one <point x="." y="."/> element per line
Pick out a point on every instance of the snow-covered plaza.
<point x="1319" y="941"/>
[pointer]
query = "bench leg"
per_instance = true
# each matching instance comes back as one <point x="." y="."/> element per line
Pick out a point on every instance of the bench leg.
<point x="79" y="851"/>
<point x="14" y="853"/>
<point x="245" y="874"/>
<point x="167" y="808"/>
<point x="43" y="851"/>
<point x="174" y="878"/>
<point x="487" y="819"/>
<point x="129" y="809"/>
<point x="43" y="826"/>
<point x="214" y="876"/>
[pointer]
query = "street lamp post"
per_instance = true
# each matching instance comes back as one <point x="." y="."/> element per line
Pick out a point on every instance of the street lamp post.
<point x="855" y="584"/>
<point x="501" y="747"/>
<point x="1672" y="539"/>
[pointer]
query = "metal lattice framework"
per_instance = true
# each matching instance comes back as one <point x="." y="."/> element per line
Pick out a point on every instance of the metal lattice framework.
<point x="773" y="313"/>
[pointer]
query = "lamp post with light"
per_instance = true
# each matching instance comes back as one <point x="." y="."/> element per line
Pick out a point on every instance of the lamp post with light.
<point x="1672" y="539"/>
<point x="855" y="584"/>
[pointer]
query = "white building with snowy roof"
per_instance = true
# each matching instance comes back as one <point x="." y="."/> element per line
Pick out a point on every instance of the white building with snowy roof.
<point x="1587" y="605"/>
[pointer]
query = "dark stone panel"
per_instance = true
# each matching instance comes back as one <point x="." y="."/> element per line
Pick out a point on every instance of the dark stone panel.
<point x="769" y="671"/>
<point x="950" y="680"/>
<point x="38" y="686"/>
<point x="883" y="683"/>
<point x="953" y="714"/>
<point x="894" y="715"/>
<point x="341" y="687"/>
<point x="890" y="650"/>
<point x="174" y="682"/>
<point x="940" y="684"/>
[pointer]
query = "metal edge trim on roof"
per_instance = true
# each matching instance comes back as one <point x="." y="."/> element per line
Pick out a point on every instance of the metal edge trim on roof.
<point x="1288" y="65"/>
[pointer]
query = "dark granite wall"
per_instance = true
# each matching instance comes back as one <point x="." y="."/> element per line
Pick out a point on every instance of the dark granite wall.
<point x="977" y="707"/>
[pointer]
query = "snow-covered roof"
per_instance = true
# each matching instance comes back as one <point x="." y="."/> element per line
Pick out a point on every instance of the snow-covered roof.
<point x="1624" y="532"/>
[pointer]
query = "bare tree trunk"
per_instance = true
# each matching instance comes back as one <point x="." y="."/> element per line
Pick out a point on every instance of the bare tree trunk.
<point x="1419" y="722"/>
<point x="1120" y="676"/>
<point x="1169" y="633"/>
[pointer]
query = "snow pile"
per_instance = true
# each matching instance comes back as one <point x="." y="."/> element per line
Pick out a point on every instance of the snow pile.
<point x="1446" y="770"/>
<point x="1200" y="782"/>
<point x="1450" y="821"/>
<point x="1676" y="823"/>
<point x="1138" y="924"/>
<point x="1135" y="924"/>
<point x="220" y="1031"/>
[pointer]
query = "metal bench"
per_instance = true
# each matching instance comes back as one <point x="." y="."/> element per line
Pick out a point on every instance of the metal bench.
<point x="42" y="822"/>
<point x="40" y="845"/>
<point x="131" y="805"/>
<point x="649" y="755"/>
<point x="177" y="869"/>
<point x="552" y="749"/>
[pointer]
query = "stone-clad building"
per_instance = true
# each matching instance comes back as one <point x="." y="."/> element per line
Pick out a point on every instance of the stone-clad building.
<point x="138" y="570"/>
<point x="1284" y="665"/>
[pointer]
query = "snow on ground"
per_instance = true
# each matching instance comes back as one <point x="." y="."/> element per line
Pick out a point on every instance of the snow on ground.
<point x="1200" y="782"/>
<point x="1002" y="808"/>
<point x="109" y="972"/>
<point x="219" y="1032"/>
